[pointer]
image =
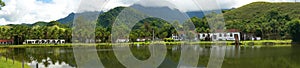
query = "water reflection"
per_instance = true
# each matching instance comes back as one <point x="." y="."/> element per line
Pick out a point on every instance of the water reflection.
<point x="235" y="57"/>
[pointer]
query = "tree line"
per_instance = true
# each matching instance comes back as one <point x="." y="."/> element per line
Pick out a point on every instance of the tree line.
<point x="271" y="24"/>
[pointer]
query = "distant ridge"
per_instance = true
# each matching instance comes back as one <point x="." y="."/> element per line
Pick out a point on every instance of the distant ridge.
<point x="69" y="19"/>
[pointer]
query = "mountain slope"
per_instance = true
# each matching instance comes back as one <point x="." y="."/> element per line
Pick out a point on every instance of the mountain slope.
<point x="263" y="19"/>
<point x="256" y="10"/>
<point x="69" y="19"/>
<point x="106" y="19"/>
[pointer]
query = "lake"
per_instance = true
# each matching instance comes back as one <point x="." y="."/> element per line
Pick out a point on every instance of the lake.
<point x="234" y="57"/>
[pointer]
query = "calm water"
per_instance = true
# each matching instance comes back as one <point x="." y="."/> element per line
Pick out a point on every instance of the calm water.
<point x="235" y="57"/>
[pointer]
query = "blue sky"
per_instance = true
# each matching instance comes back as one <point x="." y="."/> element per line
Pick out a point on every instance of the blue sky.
<point x="30" y="11"/>
<point x="45" y="1"/>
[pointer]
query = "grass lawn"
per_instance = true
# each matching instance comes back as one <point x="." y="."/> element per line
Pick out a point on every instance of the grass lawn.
<point x="9" y="64"/>
<point x="267" y="42"/>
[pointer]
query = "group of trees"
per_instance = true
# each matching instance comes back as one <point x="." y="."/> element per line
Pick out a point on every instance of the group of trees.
<point x="263" y="19"/>
<point x="293" y="28"/>
<point x="268" y="24"/>
<point x="36" y="31"/>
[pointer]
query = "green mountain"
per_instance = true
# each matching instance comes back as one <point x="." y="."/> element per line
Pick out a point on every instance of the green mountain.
<point x="256" y="10"/>
<point x="142" y="29"/>
<point x="263" y="19"/>
<point x="106" y="19"/>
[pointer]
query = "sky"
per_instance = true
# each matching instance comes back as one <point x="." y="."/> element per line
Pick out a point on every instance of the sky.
<point x="30" y="11"/>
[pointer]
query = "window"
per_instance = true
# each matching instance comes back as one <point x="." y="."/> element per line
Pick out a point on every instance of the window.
<point x="215" y="36"/>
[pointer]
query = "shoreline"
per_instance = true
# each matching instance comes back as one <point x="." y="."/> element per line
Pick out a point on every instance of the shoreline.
<point x="242" y="43"/>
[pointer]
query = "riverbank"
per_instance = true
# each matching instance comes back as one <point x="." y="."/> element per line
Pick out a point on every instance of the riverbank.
<point x="267" y="42"/>
<point x="242" y="43"/>
<point x="10" y="64"/>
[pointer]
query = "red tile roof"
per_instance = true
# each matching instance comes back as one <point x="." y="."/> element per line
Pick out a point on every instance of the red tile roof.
<point x="6" y="40"/>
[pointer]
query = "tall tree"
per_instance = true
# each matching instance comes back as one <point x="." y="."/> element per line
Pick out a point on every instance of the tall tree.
<point x="294" y="30"/>
<point x="20" y="33"/>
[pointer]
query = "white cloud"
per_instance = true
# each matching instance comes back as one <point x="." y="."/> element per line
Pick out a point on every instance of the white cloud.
<point x="30" y="11"/>
<point x="91" y="5"/>
<point x="188" y="5"/>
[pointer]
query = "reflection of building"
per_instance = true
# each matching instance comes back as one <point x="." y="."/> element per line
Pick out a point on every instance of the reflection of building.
<point x="6" y="42"/>
<point x="122" y="40"/>
<point x="176" y="37"/>
<point x="142" y="39"/>
<point x="45" y="41"/>
<point x="229" y="35"/>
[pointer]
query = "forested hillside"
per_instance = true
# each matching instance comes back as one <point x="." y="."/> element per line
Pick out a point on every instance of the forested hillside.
<point x="267" y="20"/>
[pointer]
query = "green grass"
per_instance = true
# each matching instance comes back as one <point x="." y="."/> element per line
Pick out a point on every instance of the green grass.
<point x="9" y="63"/>
<point x="267" y="42"/>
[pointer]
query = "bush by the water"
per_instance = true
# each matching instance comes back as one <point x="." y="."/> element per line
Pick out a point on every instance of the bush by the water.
<point x="169" y="40"/>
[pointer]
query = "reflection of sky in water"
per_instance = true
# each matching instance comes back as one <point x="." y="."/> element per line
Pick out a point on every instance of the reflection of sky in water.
<point x="51" y="65"/>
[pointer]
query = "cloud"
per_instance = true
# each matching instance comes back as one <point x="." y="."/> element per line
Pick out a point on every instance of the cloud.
<point x="30" y="11"/>
<point x="91" y="5"/>
<point x="195" y="5"/>
<point x="190" y="5"/>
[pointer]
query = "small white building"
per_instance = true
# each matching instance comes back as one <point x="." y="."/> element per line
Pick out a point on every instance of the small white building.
<point x="45" y="41"/>
<point x="220" y="36"/>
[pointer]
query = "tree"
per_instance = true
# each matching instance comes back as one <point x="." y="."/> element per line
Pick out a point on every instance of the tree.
<point x="293" y="28"/>
<point x="5" y="32"/>
<point x="2" y="4"/>
<point x="20" y="33"/>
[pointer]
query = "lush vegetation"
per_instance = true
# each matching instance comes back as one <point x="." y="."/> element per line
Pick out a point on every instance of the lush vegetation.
<point x="39" y="30"/>
<point x="271" y="21"/>
<point x="264" y="19"/>
<point x="294" y="30"/>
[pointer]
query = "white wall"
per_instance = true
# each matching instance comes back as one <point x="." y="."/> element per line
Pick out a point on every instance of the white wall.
<point x="220" y="36"/>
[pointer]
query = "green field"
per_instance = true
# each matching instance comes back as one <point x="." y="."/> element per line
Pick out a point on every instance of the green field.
<point x="9" y="63"/>
<point x="267" y="42"/>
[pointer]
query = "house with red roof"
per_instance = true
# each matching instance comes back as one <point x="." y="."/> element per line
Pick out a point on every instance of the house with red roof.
<point x="6" y="42"/>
